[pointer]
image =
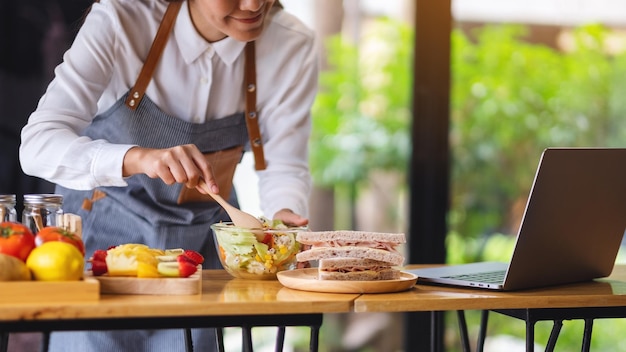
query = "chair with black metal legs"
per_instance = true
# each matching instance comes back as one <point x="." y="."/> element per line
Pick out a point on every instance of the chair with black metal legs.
<point x="532" y="316"/>
<point x="313" y="321"/>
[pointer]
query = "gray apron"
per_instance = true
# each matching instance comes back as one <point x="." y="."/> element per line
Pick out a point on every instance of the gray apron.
<point x="150" y="212"/>
<point x="147" y="211"/>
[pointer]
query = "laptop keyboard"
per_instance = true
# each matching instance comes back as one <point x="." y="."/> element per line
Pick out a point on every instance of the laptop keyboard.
<point x="492" y="277"/>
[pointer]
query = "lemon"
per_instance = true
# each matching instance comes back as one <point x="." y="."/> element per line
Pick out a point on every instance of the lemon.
<point x="56" y="261"/>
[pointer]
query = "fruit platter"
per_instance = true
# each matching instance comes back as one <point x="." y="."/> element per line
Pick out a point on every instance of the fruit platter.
<point x="138" y="269"/>
<point x="50" y="264"/>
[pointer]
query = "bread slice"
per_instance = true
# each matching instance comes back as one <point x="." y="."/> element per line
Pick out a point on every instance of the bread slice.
<point x="392" y="258"/>
<point x="319" y="237"/>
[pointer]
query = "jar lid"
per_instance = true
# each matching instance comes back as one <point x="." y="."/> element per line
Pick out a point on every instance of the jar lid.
<point x="7" y="198"/>
<point x="43" y="199"/>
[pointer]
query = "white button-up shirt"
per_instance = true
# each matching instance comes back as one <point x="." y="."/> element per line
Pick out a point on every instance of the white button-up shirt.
<point x="194" y="80"/>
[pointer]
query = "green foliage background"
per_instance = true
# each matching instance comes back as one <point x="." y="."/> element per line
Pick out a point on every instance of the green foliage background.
<point x="362" y="113"/>
<point x="510" y="99"/>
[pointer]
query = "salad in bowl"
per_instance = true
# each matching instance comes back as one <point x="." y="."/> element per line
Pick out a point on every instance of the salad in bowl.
<point x="257" y="253"/>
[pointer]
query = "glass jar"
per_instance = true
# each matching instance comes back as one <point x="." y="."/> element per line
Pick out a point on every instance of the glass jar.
<point x="42" y="210"/>
<point x="7" y="208"/>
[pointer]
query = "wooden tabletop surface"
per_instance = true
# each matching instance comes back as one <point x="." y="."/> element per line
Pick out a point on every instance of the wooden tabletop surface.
<point x="607" y="292"/>
<point x="222" y="295"/>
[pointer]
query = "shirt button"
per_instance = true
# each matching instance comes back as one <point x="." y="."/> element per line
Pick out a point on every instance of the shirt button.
<point x="204" y="80"/>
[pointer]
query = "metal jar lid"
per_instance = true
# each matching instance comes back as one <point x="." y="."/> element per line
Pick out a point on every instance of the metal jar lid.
<point x="43" y="199"/>
<point x="7" y="198"/>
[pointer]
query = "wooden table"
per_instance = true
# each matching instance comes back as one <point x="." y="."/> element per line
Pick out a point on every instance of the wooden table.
<point x="602" y="298"/>
<point x="224" y="302"/>
<point x="232" y="302"/>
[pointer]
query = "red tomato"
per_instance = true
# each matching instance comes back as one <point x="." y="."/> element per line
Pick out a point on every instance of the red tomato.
<point x="53" y="233"/>
<point x="16" y="240"/>
<point x="268" y="239"/>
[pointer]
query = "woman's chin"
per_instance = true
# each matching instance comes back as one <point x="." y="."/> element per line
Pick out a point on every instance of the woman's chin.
<point x="246" y="36"/>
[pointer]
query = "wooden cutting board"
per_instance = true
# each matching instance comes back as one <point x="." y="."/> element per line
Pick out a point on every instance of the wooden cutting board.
<point x="85" y="290"/>
<point x="191" y="285"/>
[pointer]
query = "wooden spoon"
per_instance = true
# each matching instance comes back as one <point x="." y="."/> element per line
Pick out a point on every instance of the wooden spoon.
<point x="239" y="218"/>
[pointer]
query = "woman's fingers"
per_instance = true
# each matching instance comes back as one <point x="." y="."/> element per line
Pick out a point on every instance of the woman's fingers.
<point x="290" y="218"/>
<point x="180" y="164"/>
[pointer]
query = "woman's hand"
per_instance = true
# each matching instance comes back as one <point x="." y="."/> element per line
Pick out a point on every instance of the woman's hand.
<point x="290" y="218"/>
<point x="180" y="164"/>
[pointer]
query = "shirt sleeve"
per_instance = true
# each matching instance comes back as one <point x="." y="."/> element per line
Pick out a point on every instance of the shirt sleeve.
<point x="286" y="128"/>
<point x="52" y="146"/>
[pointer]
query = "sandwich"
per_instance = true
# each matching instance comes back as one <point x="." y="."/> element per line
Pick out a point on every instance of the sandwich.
<point x="355" y="269"/>
<point x="352" y="255"/>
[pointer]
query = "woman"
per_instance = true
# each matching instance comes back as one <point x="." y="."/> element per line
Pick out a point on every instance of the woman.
<point x="130" y="163"/>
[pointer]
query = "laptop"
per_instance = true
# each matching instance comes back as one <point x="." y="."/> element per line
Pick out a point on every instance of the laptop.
<point x="571" y="230"/>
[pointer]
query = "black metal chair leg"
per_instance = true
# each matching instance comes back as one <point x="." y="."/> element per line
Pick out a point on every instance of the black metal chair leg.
<point x="530" y="336"/>
<point x="45" y="341"/>
<point x="280" y="339"/>
<point x="482" y="334"/>
<point x="219" y="339"/>
<point x="188" y="341"/>
<point x="314" y="339"/>
<point x="554" y="335"/>
<point x="246" y="338"/>
<point x="4" y="341"/>
<point x="465" y="345"/>
<point x="587" y="335"/>
<point x="436" y="320"/>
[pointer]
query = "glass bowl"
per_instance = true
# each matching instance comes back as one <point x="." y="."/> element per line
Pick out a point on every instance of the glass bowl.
<point x="256" y="253"/>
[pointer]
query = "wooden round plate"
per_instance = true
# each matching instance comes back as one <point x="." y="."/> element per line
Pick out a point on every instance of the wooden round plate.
<point x="306" y="280"/>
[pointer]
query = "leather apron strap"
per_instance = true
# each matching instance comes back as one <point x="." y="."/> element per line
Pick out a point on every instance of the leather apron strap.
<point x="252" y="116"/>
<point x="158" y="44"/>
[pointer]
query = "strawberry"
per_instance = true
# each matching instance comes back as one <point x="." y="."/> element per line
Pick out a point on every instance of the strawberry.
<point x="98" y="267"/>
<point x="196" y="257"/>
<point x="99" y="254"/>
<point x="185" y="259"/>
<point x="185" y="268"/>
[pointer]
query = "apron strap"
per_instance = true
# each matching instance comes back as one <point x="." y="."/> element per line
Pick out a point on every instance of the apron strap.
<point x="139" y="89"/>
<point x="158" y="44"/>
<point x="252" y="117"/>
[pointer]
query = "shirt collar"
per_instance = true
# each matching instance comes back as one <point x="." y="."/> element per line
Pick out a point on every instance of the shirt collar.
<point x="192" y="45"/>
